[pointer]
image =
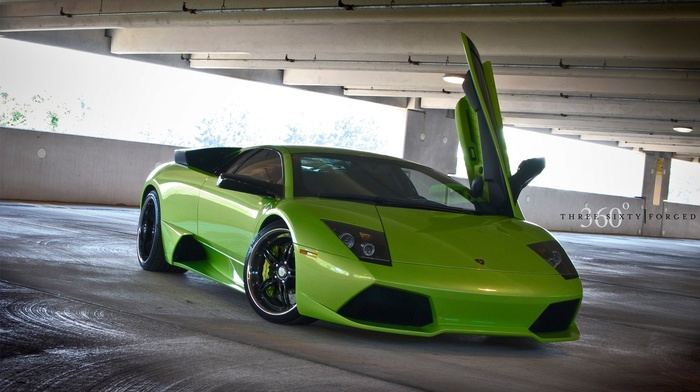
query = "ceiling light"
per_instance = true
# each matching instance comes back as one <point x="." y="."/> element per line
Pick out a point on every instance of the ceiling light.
<point x="453" y="78"/>
<point x="683" y="129"/>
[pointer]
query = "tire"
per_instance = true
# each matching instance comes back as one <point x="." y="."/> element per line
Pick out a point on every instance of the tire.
<point x="270" y="276"/>
<point x="149" y="240"/>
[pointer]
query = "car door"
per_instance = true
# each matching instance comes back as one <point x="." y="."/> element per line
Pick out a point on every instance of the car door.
<point x="228" y="219"/>
<point x="480" y="129"/>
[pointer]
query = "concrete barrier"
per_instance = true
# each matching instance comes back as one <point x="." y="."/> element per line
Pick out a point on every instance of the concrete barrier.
<point x="679" y="221"/>
<point x="572" y="211"/>
<point x="581" y="212"/>
<point x="44" y="166"/>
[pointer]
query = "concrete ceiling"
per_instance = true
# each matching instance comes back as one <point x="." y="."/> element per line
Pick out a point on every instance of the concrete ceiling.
<point x="626" y="72"/>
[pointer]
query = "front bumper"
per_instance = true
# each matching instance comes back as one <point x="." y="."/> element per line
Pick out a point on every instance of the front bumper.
<point x="425" y="300"/>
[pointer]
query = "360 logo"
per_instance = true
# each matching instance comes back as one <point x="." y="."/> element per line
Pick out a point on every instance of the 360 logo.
<point x="613" y="218"/>
<point x="616" y="216"/>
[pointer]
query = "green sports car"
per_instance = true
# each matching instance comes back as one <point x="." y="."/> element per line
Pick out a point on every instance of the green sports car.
<point x="366" y="240"/>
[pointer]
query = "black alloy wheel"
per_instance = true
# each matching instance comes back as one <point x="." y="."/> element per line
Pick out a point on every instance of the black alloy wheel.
<point x="270" y="276"/>
<point x="149" y="240"/>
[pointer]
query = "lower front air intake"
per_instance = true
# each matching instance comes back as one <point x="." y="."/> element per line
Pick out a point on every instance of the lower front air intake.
<point x="384" y="305"/>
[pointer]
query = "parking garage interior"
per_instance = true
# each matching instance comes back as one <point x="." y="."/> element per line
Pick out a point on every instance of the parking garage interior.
<point x="78" y="313"/>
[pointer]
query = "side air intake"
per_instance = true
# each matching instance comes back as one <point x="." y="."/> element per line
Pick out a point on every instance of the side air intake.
<point x="384" y="305"/>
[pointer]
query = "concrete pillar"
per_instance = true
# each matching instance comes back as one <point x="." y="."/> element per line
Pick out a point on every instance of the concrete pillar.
<point x="657" y="173"/>
<point x="431" y="139"/>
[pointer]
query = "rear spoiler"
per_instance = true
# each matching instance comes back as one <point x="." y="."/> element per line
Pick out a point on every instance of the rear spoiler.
<point x="205" y="159"/>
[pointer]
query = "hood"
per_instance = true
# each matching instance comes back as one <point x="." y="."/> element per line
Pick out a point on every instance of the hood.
<point x="450" y="240"/>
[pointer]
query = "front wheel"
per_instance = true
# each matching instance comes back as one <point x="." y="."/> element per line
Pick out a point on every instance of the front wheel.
<point x="149" y="240"/>
<point x="270" y="276"/>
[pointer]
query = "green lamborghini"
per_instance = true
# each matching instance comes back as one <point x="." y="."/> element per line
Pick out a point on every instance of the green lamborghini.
<point x="366" y="240"/>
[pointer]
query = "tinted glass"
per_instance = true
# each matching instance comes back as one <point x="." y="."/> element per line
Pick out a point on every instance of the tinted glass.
<point x="380" y="180"/>
<point x="263" y="165"/>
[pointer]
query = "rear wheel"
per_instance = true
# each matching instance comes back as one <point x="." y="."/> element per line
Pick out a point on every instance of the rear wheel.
<point x="270" y="276"/>
<point x="149" y="239"/>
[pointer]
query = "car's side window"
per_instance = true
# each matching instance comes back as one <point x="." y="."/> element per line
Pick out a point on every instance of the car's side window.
<point x="236" y="162"/>
<point x="264" y="165"/>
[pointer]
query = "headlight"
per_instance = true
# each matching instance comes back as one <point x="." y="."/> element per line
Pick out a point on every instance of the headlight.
<point x="555" y="256"/>
<point x="368" y="245"/>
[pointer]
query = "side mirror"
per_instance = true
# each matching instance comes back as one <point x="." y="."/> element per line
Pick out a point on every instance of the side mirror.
<point x="476" y="189"/>
<point x="527" y="171"/>
<point x="246" y="185"/>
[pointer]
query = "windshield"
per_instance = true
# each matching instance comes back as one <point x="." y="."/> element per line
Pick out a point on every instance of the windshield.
<point x="379" y="181"/>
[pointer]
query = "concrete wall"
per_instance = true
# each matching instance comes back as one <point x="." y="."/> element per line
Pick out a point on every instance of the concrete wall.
<point x="572" y="211"/>
<point x="63" y="168"/>
<point x="559" y="210"/>
<point x="679" y="221"/>
<point x="44" y="166"/>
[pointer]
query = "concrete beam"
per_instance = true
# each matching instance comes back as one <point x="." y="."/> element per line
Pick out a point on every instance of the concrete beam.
<point x="82" y="14"/>
<point x="641" y="40"/>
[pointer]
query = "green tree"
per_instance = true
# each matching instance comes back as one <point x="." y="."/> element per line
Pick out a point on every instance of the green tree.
<point x="347" y="132"/>
<point x="17" y="114"/>
<point x="12" y="113"/>
<point x="228" y="129"/>
<point x="241" y="126"/>
<point x="53" y="120"/>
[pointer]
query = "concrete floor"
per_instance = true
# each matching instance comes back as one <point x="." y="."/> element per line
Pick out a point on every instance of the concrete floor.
<point x="78" y="313"/>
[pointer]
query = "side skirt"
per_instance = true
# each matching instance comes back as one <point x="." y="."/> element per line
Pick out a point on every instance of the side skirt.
<point x="208" y="262"/>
